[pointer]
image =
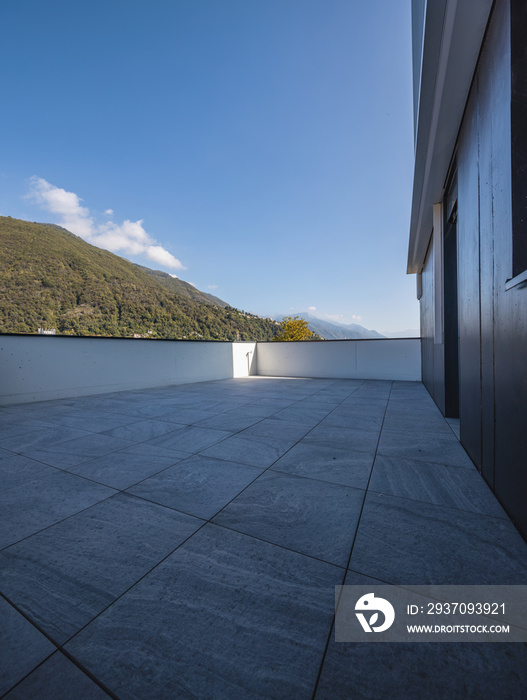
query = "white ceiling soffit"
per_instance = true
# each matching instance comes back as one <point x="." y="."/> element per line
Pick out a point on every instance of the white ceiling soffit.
<point x="454" y="31"/>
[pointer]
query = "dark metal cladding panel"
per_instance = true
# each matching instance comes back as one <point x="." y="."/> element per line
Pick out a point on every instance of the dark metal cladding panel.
<point x="468" y="282"/>
<point x="510" y="335"/>
<point x="492" y="98"/>
<point x="518" y="99"/>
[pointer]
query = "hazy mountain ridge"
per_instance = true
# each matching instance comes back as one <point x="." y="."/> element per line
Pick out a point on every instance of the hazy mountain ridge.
<point x="52" y="278"/>
<point x="335" y="331"/>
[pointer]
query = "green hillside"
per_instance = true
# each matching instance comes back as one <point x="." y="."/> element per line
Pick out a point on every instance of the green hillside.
<point x="51" y="278"/>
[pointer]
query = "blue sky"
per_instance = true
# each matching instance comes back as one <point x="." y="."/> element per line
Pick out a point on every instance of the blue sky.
<point x="259" y="149"/>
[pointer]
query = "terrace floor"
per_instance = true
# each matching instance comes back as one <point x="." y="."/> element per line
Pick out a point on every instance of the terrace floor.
<point x="186" y="541"/>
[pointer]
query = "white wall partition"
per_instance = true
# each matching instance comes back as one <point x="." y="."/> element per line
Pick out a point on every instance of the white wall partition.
<point x="35" y="368"/>
<point x="243" y="359"/>
<point x="343" y="359"/>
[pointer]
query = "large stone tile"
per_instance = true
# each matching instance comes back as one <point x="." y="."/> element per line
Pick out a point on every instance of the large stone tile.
<point x="200" y="486"/>
<point x="463" y="489"/>
<point x="63" y="577"/>
<point x="415" y="423"/>
<point x="426" y="446"/>
<point x="155" y="410"/>
<point x="93" y="421"/>
<point x="16" y="469"/>
<point x="189" y="439"/>
<point x="308" y="516"/>
<point x="302" y="414"/>
<point x="407" y="542"/>
<point x="141" y="431"/>
<point x="232" y="421"/>
<point x="33" y="505"/>
<point x="335" y="465"/>
<point x="127" y="467"/>
<point x="73" y="452"/>
<point x="415" y="671"/>
<point x="23" y="647"/>
<point x="344" y="438"/>
<point x="254" y="451"/>
<point x="43" y="437"/>
<point x="278" y="429"/>
<point x="226" y="616"/>
<point x="184" y="415"/>
<point x="13" y="425"/>
<point x="58" y="679"/>
<point x="356" y="420"/>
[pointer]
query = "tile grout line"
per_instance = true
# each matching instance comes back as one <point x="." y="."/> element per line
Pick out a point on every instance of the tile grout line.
<point x="322" y="662"/>
<point x="58" y="649"/>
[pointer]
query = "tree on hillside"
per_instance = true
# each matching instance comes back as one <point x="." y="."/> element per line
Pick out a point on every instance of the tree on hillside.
<point x="294" y="328"/>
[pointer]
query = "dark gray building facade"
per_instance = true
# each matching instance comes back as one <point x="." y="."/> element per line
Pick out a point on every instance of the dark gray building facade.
<point x="468" y="234"/>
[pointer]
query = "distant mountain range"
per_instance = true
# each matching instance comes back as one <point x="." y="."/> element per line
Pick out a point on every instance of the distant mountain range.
<point x="52" y="279"/>
<point x="409" y="333"/>
<point x="334" y="331"/>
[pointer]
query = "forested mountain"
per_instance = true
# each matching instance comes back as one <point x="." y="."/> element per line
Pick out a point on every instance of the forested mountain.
<point x="50" y="278"/>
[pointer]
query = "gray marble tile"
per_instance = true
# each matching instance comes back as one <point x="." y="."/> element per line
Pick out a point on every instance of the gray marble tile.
<point x="16" y="469"/>
<point x="127" y="467"/>
<point x="189" y="439"/>
<point x="142" y="430"/>
<point x="200" y="486"/>
<point x="184" y="415"/>
<point x="57" y="678"/>
<point x="254" y="451"/>
<point x="276" y="403"/>
<point x="232" y="421"/>
<point x="279" y="429"/>
<point x="414" y="423"/>
<point x="43" y="437"/>
<point x="73" y="452"/>
<point x="258" y="411"/>
<point x="63" y="577"/>
<point x="356" y="421"/>
<point x="146" y="411"/>
<point x="13" y="425"/>
<point x="416" y="671"/>
<point x="308" y="516"/>
<point x="463" y="489"/>
<point x="33" y="505"/>
<point x="408" y="542"/>
<point x="327" y="464"/>
<point x="422" y="410"/>
<point x="94" y="421"/>
<point x="303" y="415"/>
<point x="344" y="438"/>
<point x="430" y="446"/>
<point x="23" y="647"/>
<point x="226" y="616"/>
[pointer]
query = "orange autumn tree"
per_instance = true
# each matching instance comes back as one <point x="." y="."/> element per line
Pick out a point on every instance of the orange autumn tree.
<point x="294" y="328"/>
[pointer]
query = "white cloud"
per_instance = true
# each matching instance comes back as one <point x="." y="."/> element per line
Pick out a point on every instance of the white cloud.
<point x="356" y="318"/>
<point x="129" y="237"/>
<point x="212" y="286"/>
<point x="311" y="308"/>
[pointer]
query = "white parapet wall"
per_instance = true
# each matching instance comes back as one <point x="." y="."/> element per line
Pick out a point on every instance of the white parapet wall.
<point x="38" y="368"/>
<point x="395" y="359"/>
